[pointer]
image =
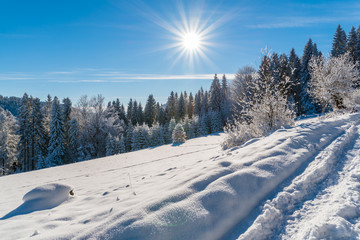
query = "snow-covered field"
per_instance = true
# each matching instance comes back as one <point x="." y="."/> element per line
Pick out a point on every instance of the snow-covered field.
<point x="296" y="183"/>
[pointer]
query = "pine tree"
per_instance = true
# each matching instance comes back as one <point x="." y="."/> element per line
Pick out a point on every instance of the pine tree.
<point x="352" y="45"/>
<point x="129" y="112"/>
<point x="171" y="105"/>
<point x="198" y="103"/>
<point x="73" y="140"/>
<point x="39" y="137"/>
<point x="190" y="106"/>
<point x="122" y="145"/>
<point x="162" y="116"/>
<point x="295" y="78"/>
<point x="215" y="94"/>
<point x="205" y="103"/>
<point x="47" y="113"/>
<point x="140" y="138"/>
<point x="215" y="122"/>
<point x="66" y="113"/>
<point x="306" y="102"/>
<point x="178" y="135"/>
<point x="110" y="145"/>
<point x="339" y="42"/>
<point x="150" y="111"/>
<point x="140" y="115"/>
<point x="180" y="111"/>
<point x="225" y="101"/>
<point x="24" y="133"/>
<point x="128" y="137"/>
<point x="135" y="112"/>
<point x="156" y="135"/>
<point x="56" y="148"/>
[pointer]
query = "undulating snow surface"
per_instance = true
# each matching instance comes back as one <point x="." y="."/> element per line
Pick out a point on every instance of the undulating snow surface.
<point x="296" y="183"/>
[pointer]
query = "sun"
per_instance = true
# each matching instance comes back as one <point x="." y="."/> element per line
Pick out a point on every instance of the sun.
<point x="191" y="41"/>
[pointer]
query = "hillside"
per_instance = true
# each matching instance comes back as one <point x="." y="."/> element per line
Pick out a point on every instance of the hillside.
<point x="296" y="183"/>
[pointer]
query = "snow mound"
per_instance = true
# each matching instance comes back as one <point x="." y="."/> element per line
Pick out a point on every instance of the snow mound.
<point x="54" y="193"/>
<point x="43" y="197"/>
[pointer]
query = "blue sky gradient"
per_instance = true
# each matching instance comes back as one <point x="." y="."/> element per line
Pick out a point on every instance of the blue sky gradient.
<point x="124" y="48"/>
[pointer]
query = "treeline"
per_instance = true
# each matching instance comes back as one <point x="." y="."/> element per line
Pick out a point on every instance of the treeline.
<point x="53" y="133"/>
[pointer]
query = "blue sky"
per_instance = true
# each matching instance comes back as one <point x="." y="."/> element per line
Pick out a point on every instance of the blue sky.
<point x="124" y="48"/>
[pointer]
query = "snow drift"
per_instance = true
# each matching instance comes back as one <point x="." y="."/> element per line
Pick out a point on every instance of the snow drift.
<point x="43" y="197"/>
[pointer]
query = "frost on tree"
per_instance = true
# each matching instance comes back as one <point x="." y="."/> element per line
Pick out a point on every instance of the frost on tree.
<point x="267" y="109"/>
<point x="178" y="135"/>
<point x="333" y="81"/>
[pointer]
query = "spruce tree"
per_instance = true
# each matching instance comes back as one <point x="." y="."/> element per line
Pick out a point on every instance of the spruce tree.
<point x="295" y="78"/>
<point x="150" y="111"/>
<point x="306" y="102"/>
<point x="198" y="103"/>
<point x="215" y="94"/>
<point x="129" y="112"/>
<point x="24" y="133"/>
<point x="339" y="42"/>
<point x="352" y="45"/>
<point x="181" y="111"/>
<point x="190" y="107"/>
<point x="56" y="148"/>
<point x="171" y="105"/>
<point x="66" y="116"/>
<point x="74" y="140"/>
<point x="215" y="122"/>
<point x="39" y="135"/>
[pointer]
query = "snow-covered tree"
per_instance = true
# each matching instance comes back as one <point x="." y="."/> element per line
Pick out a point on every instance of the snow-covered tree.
<point x="156" y="135"/>
<point x="333" y="80"/>
<point x="179" y="135"/>
<point x="140" y="138"/>
<point x="267" y="110"/>
<point x="241" y="90"/>
<point x="56" y="148"/>
<point x="215" y="121"/>
<point x="8" y="142"/>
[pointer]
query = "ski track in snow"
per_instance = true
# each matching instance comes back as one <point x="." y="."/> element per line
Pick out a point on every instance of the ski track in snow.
<point x="296" y="183"/>
<point x="282" y="211"/>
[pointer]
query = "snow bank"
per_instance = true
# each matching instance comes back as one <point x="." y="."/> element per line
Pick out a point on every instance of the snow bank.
<point x="221" y="198"/>
<point x="43" y="197"/>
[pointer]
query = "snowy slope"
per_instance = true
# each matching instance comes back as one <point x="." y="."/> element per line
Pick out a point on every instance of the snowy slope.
<point x="296" y="183"/>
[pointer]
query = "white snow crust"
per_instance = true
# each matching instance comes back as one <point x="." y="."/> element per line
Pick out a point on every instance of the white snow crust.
<point x="295" y="183"/>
